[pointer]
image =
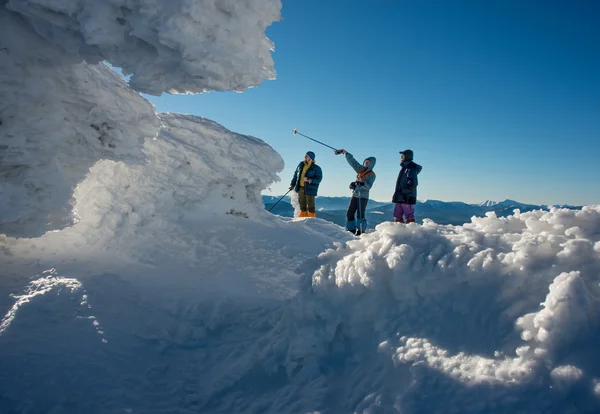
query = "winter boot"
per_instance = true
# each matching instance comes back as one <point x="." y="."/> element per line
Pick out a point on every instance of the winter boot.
<point x="398" y="220"/>
<point x="410" y="221"/>
<point x="312" y="214"/>
<point x="351" y="226"/>
<point x="303" y="214"/>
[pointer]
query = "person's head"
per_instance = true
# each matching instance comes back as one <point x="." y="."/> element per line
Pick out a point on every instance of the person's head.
<point x="369" y="163"/>
<point x="309" y="157"/>
<point x="406" y="155"/>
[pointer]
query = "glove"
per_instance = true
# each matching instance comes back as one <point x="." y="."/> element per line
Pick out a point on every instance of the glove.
<point x="291" y="186"/>
<point x="360" y="183"/>
<point x="352" y="185"/>
<point x="409" y="183"/>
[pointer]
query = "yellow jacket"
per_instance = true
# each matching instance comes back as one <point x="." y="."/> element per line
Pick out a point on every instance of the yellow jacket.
<point x="304" y="169"/>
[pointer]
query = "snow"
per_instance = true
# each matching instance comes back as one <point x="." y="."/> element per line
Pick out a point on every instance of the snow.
<point x="56" y="124"/>
<point x="173" y="46"/>
<point x="266" y="313"/>
<point x="200" y="45"/>
<point x="488" y="203"/>
<point x="140" y="272"/>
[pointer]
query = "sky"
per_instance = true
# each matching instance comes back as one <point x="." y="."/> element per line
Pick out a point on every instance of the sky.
<point x="497" y="100"/>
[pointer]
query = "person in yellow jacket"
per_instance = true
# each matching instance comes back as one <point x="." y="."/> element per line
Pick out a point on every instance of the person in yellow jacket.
<point x="305" y="182"/>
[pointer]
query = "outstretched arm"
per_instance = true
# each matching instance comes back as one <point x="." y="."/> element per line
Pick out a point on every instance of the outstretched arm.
<point x="353" y="163"/>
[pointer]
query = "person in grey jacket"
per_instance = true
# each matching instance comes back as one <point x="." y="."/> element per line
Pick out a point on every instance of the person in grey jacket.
<point x="405" y="195"/>
<point x="365" y="177"/>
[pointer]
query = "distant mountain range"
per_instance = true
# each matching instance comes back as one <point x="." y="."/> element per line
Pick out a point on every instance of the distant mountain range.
<point x="326" y="203"/>
<point x="443" y="212"/>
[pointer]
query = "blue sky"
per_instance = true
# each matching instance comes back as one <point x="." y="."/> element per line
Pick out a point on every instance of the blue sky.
<point x="497" y="99"/>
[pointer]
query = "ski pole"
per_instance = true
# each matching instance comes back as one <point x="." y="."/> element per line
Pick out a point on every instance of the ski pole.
<point x="305" y="202"/>
<point x="306" y="136"/>
<point x="359" y="211"/>
<point x="279" y="200"/>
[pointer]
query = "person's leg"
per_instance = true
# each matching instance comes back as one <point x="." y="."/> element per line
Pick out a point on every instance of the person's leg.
<point x="350" y="222"/>
<point x="302" y="202"/>
<point x="362" y="222"/>
<point x="310" y="204"/>
<point x="363" y="205"/>
<point x="398" y="213"/>
<point x="409" y="212"/>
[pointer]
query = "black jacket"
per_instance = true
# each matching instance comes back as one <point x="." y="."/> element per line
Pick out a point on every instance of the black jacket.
<point x="406" y="184"/>
<point x="315" y="174"/>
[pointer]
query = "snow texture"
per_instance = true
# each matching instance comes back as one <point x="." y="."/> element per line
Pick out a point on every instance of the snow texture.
<point x="55" y="109"/>
<point x="498" y="315"/>
<point x="167" y="46"/>
<point x="57" y="122"/>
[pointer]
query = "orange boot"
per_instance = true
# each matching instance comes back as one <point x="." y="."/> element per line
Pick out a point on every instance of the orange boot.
<point x="312" y="215"/>
<point x="303" y="214"/>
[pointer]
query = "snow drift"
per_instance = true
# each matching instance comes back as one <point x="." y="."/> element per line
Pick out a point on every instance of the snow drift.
<point x="497" y="307"/>
<point x="499" y="315"/>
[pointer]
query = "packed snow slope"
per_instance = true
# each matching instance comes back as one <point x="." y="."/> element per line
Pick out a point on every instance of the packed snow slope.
<point x="140" y="273"/>
<point x="204" y="311"/>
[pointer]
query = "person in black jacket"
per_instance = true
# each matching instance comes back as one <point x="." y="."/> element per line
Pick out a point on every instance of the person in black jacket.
<point x="305" y="182"/>
<point x="405" y="196"/>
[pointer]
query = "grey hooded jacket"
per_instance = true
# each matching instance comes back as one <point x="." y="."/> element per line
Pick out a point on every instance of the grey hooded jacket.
<point x="362" y="191"/>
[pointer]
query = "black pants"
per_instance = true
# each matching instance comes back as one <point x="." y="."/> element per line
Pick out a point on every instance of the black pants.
<point x="353" y="206"/>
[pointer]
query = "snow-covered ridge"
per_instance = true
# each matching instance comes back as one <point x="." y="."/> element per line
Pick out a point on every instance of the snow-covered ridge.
<point x="486" y="205"/>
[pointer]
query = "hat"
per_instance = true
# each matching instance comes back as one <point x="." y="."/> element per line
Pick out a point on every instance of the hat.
<point x="408" y="154"/>
<point x="311" y="155"/>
